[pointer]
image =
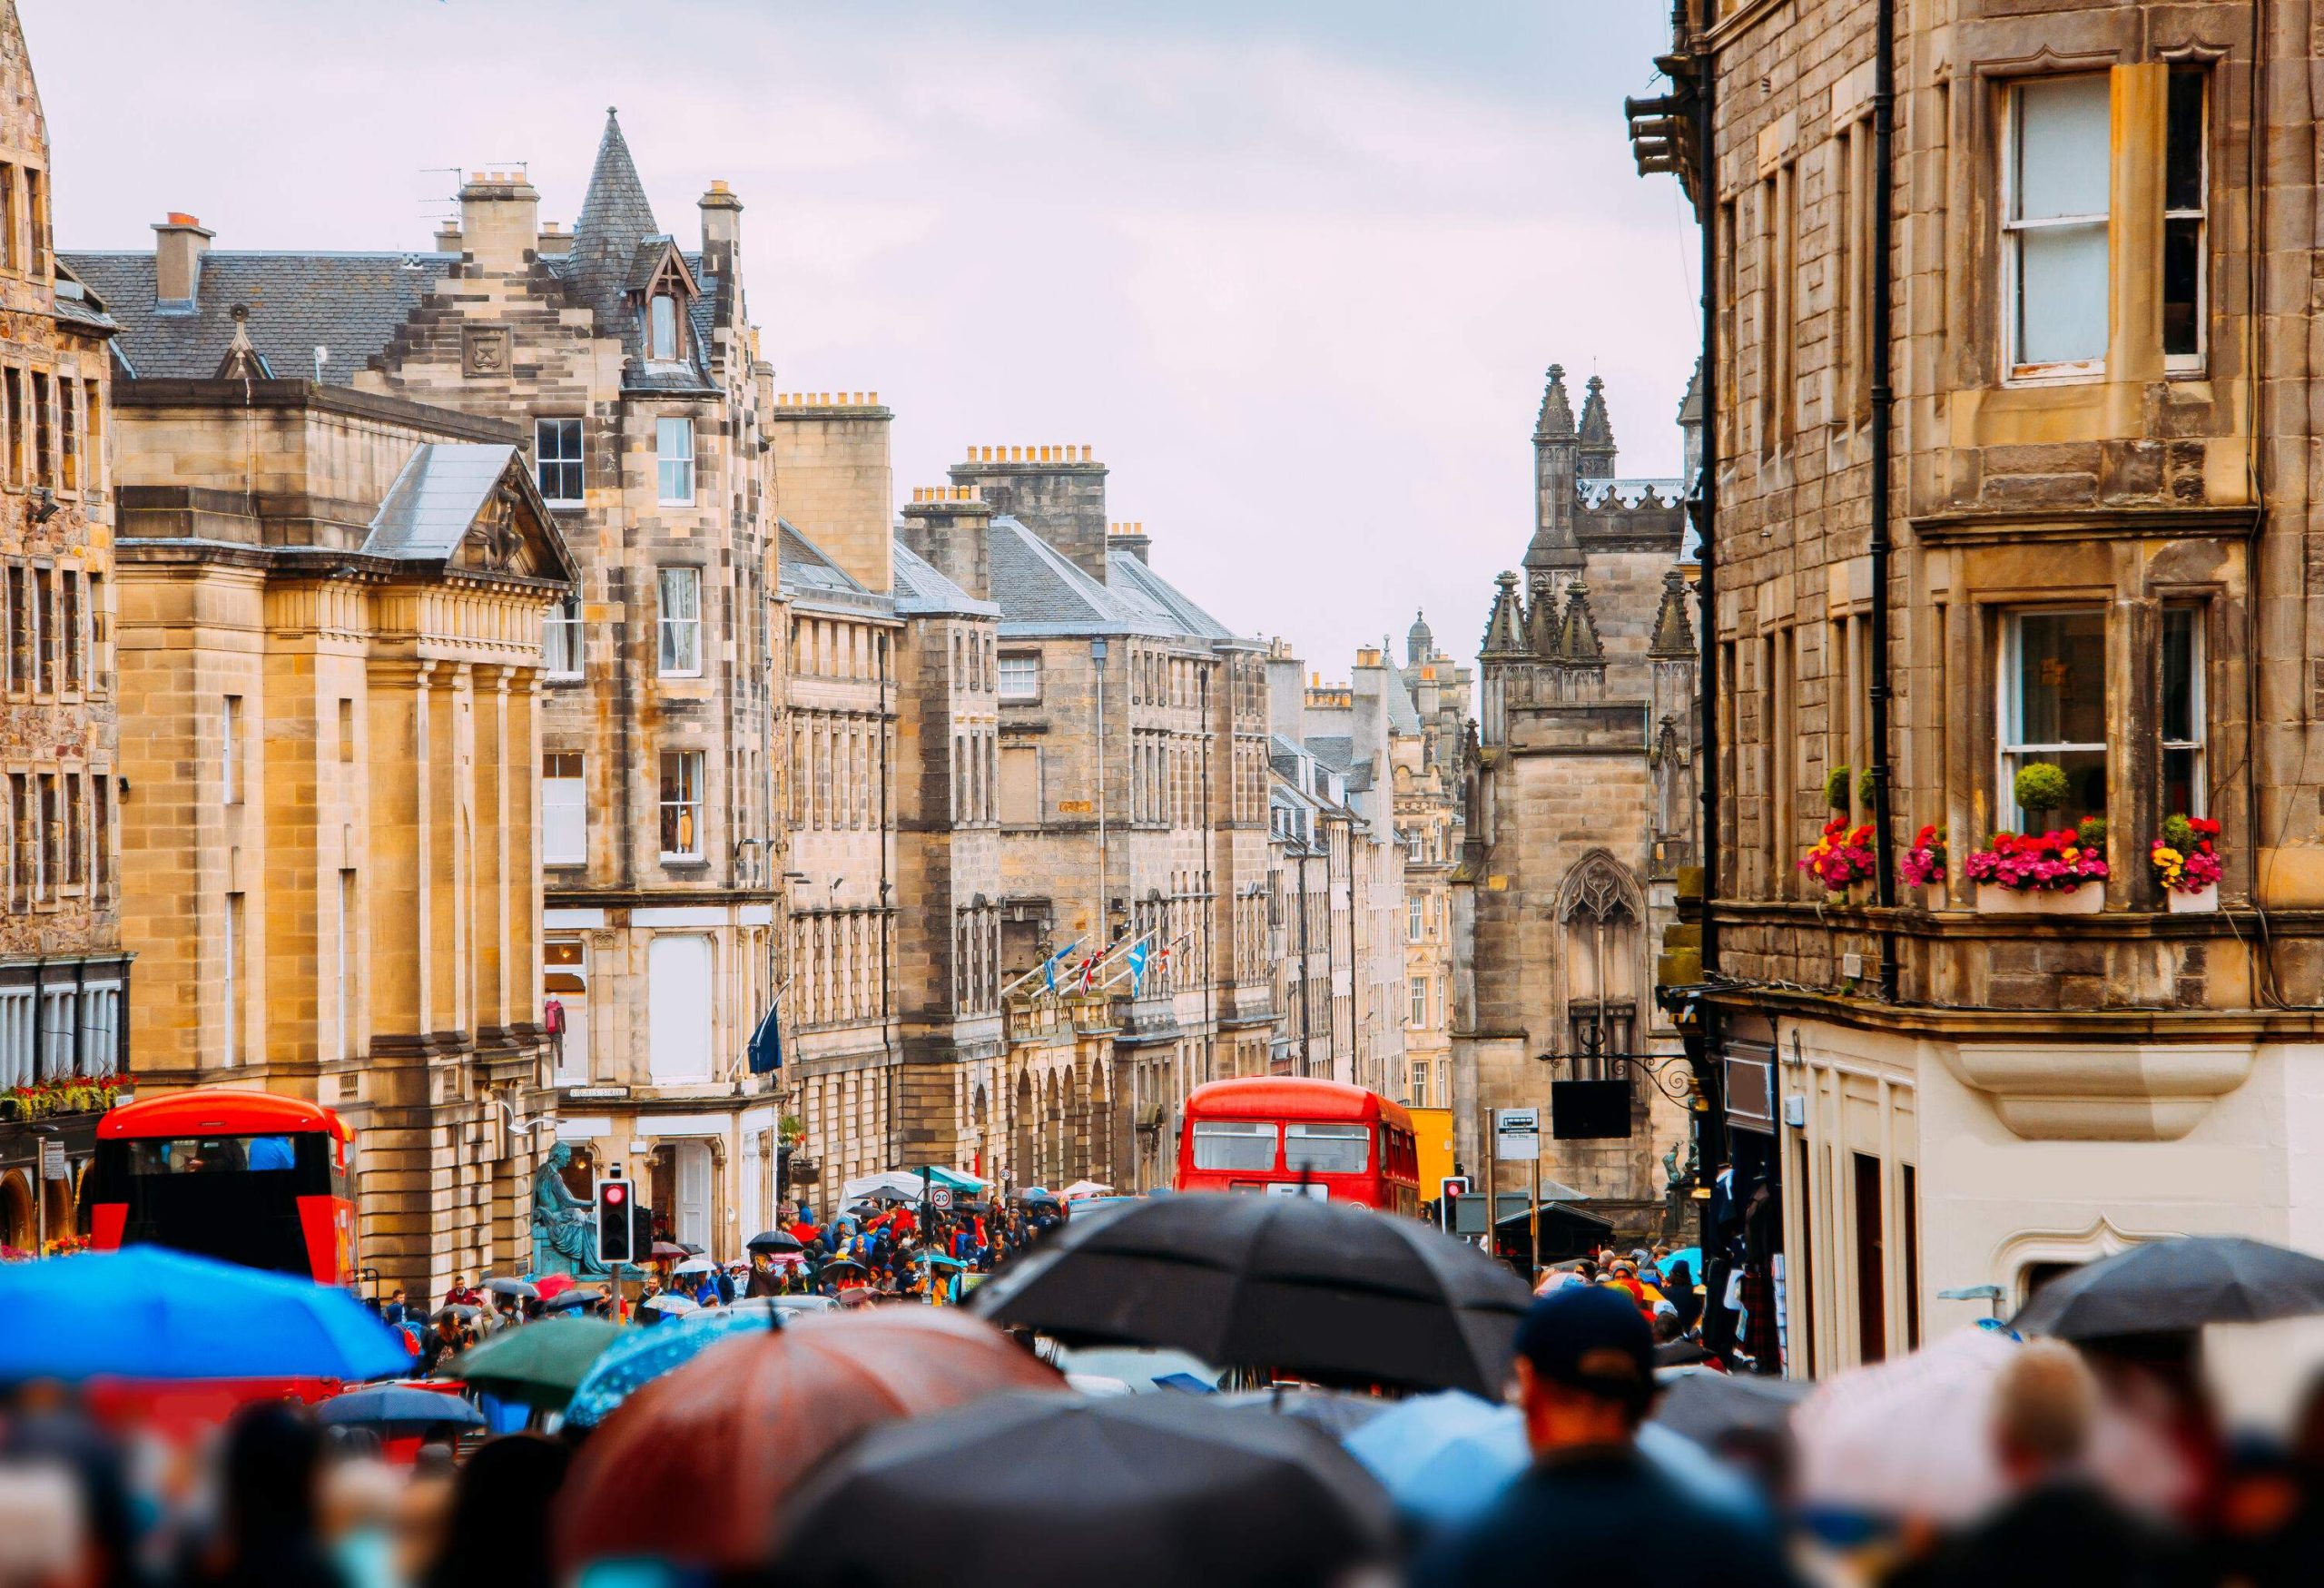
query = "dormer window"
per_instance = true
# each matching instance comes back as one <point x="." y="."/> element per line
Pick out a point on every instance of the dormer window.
<point x="661" y="327"/>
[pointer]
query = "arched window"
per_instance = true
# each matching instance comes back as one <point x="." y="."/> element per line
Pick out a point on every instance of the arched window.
<point x="1599" y="912"/>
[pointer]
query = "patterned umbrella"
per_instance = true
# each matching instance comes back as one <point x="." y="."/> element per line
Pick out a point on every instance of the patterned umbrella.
<point x="641" y="1356"/>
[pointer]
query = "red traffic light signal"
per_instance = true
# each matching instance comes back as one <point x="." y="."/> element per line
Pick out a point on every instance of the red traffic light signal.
<point x="615" y="1195"/>
<point x="616" y="1228"/>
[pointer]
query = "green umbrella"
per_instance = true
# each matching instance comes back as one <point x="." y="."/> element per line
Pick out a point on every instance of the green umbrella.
<point x="539" y="1364"/>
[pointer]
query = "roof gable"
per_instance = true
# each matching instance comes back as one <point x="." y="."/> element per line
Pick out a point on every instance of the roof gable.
<point x="472" y="506"/>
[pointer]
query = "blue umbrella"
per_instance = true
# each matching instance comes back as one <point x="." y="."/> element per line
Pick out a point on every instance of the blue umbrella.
<point x="1445" y="1458"/>
<point x="398" y="1405"/>
<point x="145" y="1312"/>
<point x="641" y="1356"/>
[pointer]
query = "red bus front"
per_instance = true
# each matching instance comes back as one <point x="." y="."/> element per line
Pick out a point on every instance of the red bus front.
<point x="1291" y="1137"/>
<point x="244" y="1177"/>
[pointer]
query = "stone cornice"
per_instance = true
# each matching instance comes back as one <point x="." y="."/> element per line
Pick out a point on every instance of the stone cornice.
<point x="2018" y="527"/>
<point x="444" y="423"/>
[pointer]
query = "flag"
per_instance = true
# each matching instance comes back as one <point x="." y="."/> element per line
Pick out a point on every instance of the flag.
<point x="1048" y="968"/>
<point x="766" y="1043"/>
<point x="1089" y="968"/>
<point x="1136" y="958"/>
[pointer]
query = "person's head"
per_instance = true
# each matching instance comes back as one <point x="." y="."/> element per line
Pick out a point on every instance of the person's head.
<point x="2042" y="1405"/>
<point x="1585" y="1369"/>
<point x="500" y="1528"/>
<point x="447" y="1323"/>
<point x="395" y="1296"/>
<point x="1667" y="1325"/>
<point x="459" y="1281"/>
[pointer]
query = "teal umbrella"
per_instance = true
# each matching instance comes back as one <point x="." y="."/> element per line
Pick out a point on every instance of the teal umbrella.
<point x="641" y="1356"/>
<point x="538" y="1364"/>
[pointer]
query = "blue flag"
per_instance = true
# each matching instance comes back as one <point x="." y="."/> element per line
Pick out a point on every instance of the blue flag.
<point x="766" y="1043"/>
<point x="1049" y="967"/>
<point x="1136" y="958"/>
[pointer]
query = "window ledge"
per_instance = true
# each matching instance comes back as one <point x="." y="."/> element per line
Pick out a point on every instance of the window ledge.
<point x="685" y="862"/>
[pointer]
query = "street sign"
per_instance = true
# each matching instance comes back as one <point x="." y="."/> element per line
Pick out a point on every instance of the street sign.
<point x="1517" y="1134"/>
<point x="942" y="1196"/>
<point x="53" y="1165"/>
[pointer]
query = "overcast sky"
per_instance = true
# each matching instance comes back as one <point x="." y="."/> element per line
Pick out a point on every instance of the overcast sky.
<point x="1294" y="269"/>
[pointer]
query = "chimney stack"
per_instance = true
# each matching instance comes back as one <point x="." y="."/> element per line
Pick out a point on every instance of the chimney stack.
<point x="179" y="244"/>
<point x="499" y="221"/>
<point x="1059" y="492"/>
<point x="722" y="229"/>
<point x="951" y="526"/>
<point x="447" y="238"/>
<point x="554" y="241"/>
<point x="1131" y="537"/>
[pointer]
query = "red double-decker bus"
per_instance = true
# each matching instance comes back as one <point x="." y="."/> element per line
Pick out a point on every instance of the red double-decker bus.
<point x="1288" y="1136"/>
<point x="245" y="1177"/>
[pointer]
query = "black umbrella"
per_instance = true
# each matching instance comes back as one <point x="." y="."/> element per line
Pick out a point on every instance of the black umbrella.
<point x="1326" y="1290"/>
<point x="775" y="1240"/>
<point x="1045" y="1491"/>
<point x="1338" y="1411"/>
<point x="1709" y="1407"/>
<point x="522" y="1289"/>
<point x="2172" y="1286"/>
<point x="568" y="1301"/>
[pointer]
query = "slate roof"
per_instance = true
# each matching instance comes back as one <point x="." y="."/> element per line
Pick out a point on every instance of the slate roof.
<point x="920" y="589"/>
<point x="1403" y="716"/>
<point x="435" y="499"/>
<point x="74" y="305"/>
<point x="615" y="218"/>
<point x="809" y="574"/>
<point x="1042" y="595"/>
<point x="348" y="302"/>
<point x="1125" y="571"/>
<point x="1334" y="751"/>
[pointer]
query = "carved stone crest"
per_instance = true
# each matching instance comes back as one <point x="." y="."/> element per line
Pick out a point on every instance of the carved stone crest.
<point x="484" y="350"/>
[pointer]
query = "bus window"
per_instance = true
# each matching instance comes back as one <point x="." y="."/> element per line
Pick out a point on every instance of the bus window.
<point x="1233" y="1144"/>
<point x="1327" y="1150"/>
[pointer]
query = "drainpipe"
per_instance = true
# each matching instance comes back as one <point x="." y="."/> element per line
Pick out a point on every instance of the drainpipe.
<point x="1884" y="120"/>
<point x="1706" y="497"/>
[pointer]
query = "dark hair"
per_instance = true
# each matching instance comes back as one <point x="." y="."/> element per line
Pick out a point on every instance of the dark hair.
<point x="499" y="1535"/>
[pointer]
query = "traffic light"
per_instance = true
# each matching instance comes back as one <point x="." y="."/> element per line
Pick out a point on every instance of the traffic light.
<point x="617" y="1231"/>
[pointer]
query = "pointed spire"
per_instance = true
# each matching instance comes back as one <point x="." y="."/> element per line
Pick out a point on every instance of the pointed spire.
<point x="1556" y="420"/>
<point x="243" y="362"/>
<point x="1597" y="434"/>
<point x="1541" y="618"/>
<point x="615" y="219"/>
<point x="1578" y="634"/>
<point x="1505" y="628"/>
<point x="1674" y="626"/>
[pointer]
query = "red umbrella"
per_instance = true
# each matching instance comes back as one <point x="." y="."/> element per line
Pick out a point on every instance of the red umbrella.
<point x="552" y="1285"/>
<point x="694" y="1468"/>
<point x="668" y="1251"/>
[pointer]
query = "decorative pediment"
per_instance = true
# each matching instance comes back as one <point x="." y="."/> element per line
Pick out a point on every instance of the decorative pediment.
<point x="510" y="535"/>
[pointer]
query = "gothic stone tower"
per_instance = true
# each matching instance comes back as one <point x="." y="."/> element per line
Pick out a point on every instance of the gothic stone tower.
<point x="1581" y="810"/>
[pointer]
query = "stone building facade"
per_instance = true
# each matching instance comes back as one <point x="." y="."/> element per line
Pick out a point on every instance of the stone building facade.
<point x="329" y="608"/>
<point x="1426" y="753"/>
<point x="2102" y="515"/>
<point x="64" y="976"/>
<point x="631" y="370"/>
<point x="1579" y="802"/>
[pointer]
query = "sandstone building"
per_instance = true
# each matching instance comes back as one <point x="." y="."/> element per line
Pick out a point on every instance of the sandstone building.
<point x="1429" y="820"/>
<point x="1579" y="802"/>
<point x="64" y="976"/>
<point x="2094" y="554"/>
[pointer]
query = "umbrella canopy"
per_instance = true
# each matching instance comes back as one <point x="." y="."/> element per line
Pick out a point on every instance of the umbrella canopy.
<point x="573" y="1299"/>
<point x="775" y="1240"/>
<point x="1853" y="1458"/>
<point x="1706" y="1407"/>
<point x="1328" y="1290"/>
<point x="523" y="1291"/>
<point x="670" y="1304"/>
<point x="552" y="1285"/>
<point x="399" y="1406"/>
<point x="901" y="1186"/>
<point x="1445" y="1458"/>
<point x="641" y="1356"/>
<point x="1038" y="1491"/>
<point x="1037" y="1197"/>
<point x="541" y="1365"/>
<point x="2170" y="1287"/>
<point x="694" y="1468"/>
<point x="694" y="1265"/>
<point x="667" y="1251"/>
<point x="145" y="1312"/>
<point x="1081" y="1189"/>
<point x="1338" y="1411"/>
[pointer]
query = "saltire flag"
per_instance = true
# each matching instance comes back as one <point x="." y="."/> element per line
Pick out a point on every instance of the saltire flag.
<point x="1048" y="968"/>
<point x="1136" y="958"/>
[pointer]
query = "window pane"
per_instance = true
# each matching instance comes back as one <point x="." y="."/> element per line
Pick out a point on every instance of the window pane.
<point x="2062" y="294"/>
<point x="2183" y="180"/>
<point x="2179" y="673"/>
<point x="2060" y="678"/>
<point x="665" y="328"/>
<point x="1228" y="1144"/>
<point x="2182" y="783"/>
<point x="1330" y="1149"/>
<point x="2085" y="772"/>
<point x="1020" y="677"/>
<point x="2182" y="283"/>
<point x="673" y="446"/>
<point x="2062" y="147"/>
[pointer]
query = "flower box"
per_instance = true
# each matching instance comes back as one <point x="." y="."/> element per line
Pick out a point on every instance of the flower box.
<point x="2088" y="898"/>
<point x="2202" y="902"/>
